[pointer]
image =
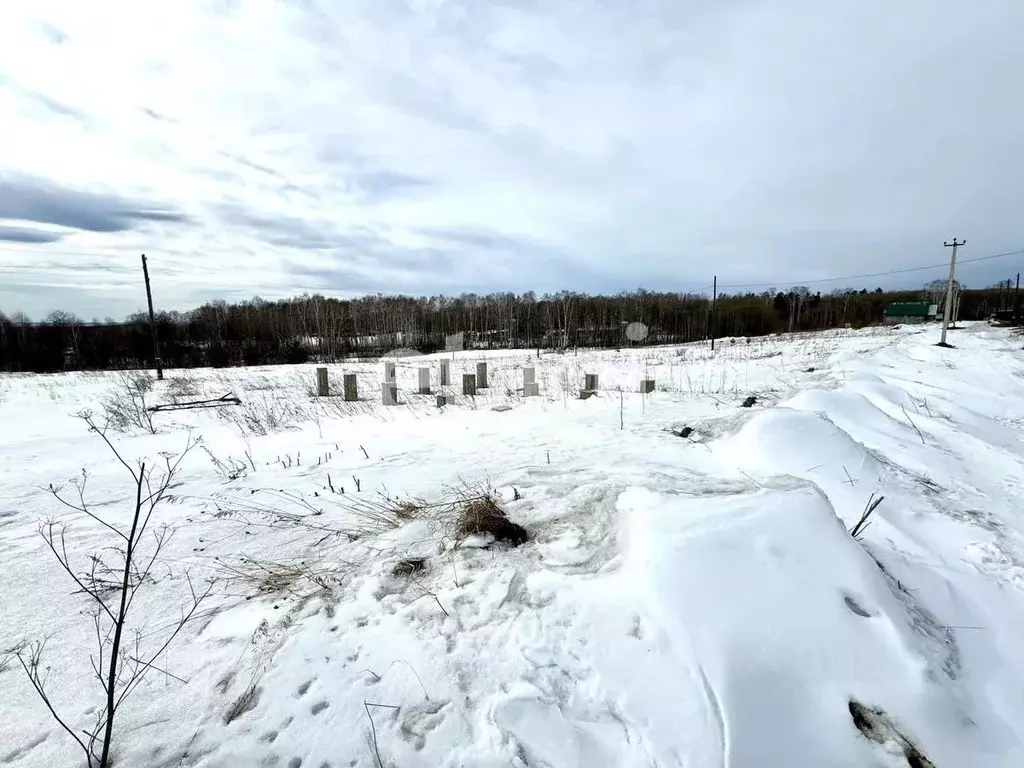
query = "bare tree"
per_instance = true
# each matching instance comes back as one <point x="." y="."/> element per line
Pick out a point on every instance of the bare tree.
<point x="111" y="582"/>
<point x="72" y="327"/>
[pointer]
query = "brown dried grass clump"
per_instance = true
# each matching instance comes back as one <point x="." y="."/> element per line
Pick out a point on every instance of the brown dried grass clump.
<point x="407" y="510"/>
<point x="483" y="515"/>
<point x="409" y="566"/>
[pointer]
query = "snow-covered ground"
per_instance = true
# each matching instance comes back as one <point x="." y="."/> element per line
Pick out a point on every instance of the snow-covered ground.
<point x="686" y="601"/>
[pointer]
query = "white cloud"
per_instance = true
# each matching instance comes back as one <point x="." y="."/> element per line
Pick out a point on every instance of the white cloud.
<point x="429" y="146"/>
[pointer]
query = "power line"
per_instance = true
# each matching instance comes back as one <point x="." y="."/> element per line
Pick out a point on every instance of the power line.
<point x="873" y="274"/>
<point x="26" y="269"/>
<point x="44" y="251"/>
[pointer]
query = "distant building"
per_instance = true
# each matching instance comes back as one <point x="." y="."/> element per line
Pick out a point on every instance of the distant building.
<point x="1003" y="317"/>
<point x="904" y="312"/>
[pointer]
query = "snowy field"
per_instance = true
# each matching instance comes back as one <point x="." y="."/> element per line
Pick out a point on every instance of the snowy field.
<point x="683" y="601"/>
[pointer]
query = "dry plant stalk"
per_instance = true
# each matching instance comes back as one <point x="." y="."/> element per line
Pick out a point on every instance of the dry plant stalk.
<point x="858" y="529"/>
<point x="125" y="407"/>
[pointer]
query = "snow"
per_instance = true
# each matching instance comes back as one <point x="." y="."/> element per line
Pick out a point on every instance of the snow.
<point x="691" y="602"/>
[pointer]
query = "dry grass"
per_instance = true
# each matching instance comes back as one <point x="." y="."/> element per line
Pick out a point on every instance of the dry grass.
<point x="408" y="510"/>
<point x="265" y="415"/>
<point x="482" y="515"/>
<point x="301" y="579"/>
<point x="183" y="387"/>
<point x="125" y="405"/>
<point x="409" y="566"/>
<point x="858" y="529"/>
<point x="348" y="516"/>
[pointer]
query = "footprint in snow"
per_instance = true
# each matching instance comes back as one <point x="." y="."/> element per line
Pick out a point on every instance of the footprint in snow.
<point x="856" y="608"/>
<point x="319" y="707"/>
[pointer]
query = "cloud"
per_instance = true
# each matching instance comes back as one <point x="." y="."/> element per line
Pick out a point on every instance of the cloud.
<point x="23" y="235"/>
<point x="44" y="202"/>
<point x="279" y="229"/>
<point x="346" y="147"/>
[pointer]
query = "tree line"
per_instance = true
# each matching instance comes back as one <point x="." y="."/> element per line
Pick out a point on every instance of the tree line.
<point x="323" y="329"/>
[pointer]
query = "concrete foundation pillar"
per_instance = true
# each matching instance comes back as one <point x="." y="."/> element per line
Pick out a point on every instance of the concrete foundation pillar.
<point x="322" y="387"/>
<point x="468" y="384"/>
<point x="389" y="393"/>
<point x="424" y="374"/>
<point x="446" y="373"/>
<point x="481" y="375"/>
<point x="389" y="371"/>
<point x="351" y="390"/>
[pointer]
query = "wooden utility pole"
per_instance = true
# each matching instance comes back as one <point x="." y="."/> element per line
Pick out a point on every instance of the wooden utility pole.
<point x="714" y="298"/>
<point x="1016" y="302"/>
<point x="152" y="322"/>
<point x="947" y="310"/>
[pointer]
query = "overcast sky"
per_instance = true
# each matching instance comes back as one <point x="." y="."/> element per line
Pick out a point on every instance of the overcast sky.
<point x="273" y="147"/>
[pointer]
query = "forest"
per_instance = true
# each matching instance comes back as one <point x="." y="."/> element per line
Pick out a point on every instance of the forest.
<point x="317" y="328"/>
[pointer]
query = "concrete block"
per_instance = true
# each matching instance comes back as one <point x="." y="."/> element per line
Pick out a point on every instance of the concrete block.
<point x="322" y="387"/>
<point x="442" y="401"/>
<point x="590" y="382"/>
<point x="351" y="389"/>
<point x="529" y="376"/>
<point x="531" y="389"/>
<point x="446" y="373"/>
<point x="389" y="371"/>
<point x="468" y="384"/>
<point x="646" y="386"/>
<point x="424" y="376"/>
<point x="586" y="394"/>
<point x="481" y="375"/>
<point x="389" y="393"/>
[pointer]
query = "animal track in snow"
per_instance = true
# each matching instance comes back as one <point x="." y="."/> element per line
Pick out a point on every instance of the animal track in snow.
<point x="319" y="707"/>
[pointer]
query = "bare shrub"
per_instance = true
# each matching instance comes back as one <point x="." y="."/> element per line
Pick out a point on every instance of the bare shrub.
<point x="125" y="407"/>
<point x="111" y="582"/>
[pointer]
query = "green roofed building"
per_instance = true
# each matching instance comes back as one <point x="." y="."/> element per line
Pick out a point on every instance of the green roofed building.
<point x="910" y="311"/>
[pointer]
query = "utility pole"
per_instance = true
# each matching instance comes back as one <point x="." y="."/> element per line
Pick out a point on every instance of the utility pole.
<point x="949" y="288"/>
<point x="1016" y="302"/>
<point x="714" y="297"/>
<point x="152" y="322"/>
